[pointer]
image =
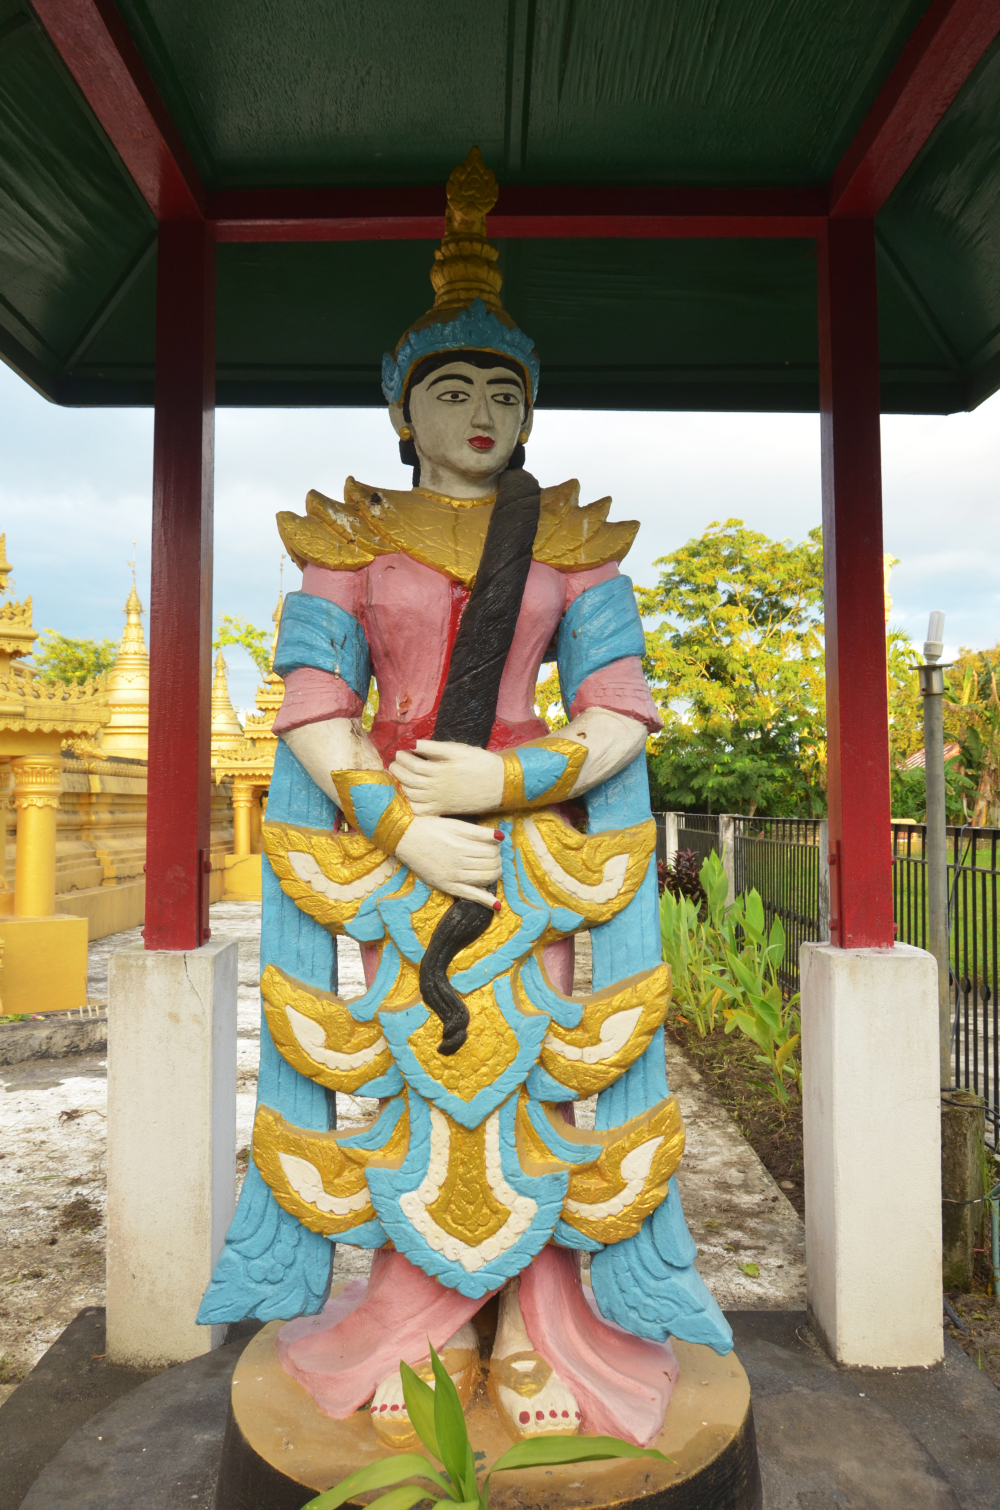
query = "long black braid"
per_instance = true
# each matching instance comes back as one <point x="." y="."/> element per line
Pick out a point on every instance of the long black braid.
<point x="468" y="710"/>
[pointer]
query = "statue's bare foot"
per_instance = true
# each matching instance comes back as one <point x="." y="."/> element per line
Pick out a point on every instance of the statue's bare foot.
<point x="460" y="1356"/>
<point x="528" y="1396"/>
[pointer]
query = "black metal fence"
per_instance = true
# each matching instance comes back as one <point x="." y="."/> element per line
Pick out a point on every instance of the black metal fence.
<point x="780" y="857"/>
<point x="700" y="832"/>
<point x="973" y="874"/>
<point x="785" y="860"/>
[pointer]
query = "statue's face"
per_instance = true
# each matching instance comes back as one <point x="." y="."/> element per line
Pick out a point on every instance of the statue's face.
<point x="466" y="420"/>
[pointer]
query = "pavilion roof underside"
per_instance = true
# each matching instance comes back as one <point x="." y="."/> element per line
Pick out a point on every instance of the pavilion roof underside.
<point x="320" y="94"/>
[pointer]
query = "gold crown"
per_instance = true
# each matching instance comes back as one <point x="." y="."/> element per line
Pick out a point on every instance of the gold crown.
<point x="465" y="265"/>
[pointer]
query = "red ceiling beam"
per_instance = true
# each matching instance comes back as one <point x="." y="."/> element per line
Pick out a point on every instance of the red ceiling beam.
<point x="94" y="44"/>
<point x="945" y="47"/>
<point x="522" y="211"/>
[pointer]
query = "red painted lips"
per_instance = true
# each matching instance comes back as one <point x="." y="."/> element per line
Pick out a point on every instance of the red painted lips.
<point x="482" y="442"/>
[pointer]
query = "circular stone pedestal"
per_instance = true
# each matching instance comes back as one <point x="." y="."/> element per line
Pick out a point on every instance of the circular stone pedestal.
<point x="281" y="1450"/>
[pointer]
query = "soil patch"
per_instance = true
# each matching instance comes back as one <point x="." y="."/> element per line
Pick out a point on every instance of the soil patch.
<point x="741" y="1085"/>
<point x="980" y="1313"/>
<point x="81" y="1214"/>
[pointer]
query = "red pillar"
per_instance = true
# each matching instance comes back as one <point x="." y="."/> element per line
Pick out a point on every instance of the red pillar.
<point x="180" y="619"/>
<point x="856" y="694"/>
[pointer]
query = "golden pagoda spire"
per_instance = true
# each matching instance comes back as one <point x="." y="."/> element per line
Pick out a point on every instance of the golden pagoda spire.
<point x="271" y="695"/>
<point x="5" y="566"/>
<point x="127" y="731"/>
<point x="227" y="731"/>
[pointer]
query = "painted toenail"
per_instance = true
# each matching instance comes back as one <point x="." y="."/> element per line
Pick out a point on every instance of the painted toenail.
<point x="383" y="1406"/>
<point x="577" y="1413"/>
<point x="539" y="1415"/>
<point x="396" y="1407"/>
<point x="524" y="1418"/>
<point x="566" y="1414"/>
<point x="552" y="1414"/>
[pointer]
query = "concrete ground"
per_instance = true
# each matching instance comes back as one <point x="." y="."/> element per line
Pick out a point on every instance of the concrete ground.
<point x="87" y="1436"/>
<point x="52" y="1138"/>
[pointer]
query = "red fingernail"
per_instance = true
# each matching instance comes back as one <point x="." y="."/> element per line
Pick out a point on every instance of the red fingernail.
<point x="498" y="833"/>
<point x="497" y="906"/>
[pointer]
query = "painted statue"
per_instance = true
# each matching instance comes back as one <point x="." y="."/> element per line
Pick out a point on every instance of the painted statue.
<point x="464" y="845"/>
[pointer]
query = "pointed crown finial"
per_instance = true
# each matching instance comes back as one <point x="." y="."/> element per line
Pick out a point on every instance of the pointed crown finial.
<point x="467" y="312"/>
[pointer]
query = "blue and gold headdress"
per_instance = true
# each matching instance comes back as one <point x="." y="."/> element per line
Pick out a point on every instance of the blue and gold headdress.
<point x="467" y="313"/>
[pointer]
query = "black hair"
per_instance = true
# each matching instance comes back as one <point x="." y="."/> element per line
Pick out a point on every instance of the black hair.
<point x="407" y="449"/>
<point x="467" y="712"/>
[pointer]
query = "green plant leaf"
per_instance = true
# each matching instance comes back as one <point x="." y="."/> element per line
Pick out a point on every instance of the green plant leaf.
<point x="746" y="977"/>
<point x="786" y="1049"/>
<point x="381" y="1475"/>
<point x="419" y="1399"/>
<point x="538" y="1452"/>
<point x="452" y="1433"/>
<point x="403" y="1498"/>
<point x="750" y="1269"/>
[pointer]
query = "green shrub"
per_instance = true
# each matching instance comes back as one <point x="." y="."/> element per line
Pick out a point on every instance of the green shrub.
<point x="727" y="968"/>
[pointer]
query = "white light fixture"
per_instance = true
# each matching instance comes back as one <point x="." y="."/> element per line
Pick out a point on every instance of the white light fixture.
<point x="934" y="643"/>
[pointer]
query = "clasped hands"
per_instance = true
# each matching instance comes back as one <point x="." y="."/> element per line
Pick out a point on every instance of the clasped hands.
<point x="441" y="777"/>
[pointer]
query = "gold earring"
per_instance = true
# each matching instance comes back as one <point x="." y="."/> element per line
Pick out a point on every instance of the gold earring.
<point x="523" y="437"/>
<point x="406" y="433"/>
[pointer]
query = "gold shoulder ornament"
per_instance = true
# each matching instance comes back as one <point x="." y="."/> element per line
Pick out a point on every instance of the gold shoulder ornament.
<point x="446" y="534"/>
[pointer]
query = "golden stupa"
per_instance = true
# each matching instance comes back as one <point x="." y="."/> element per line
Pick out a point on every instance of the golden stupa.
<point x="44" y="954"/>
<point x="247" y="763"/>
<point x="126" y="735"/>
<point x="227" y="731"/>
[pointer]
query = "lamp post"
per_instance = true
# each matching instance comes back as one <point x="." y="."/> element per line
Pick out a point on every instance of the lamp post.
<point x="936" y="833"/>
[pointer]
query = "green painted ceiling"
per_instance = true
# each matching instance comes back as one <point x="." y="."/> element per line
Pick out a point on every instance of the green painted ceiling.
<point x="282" y="93"/>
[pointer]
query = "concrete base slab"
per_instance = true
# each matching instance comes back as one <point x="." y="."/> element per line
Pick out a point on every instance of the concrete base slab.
<point x="158" y="1447"/>
<point x="55" y="1036"/>
<point x="834" y="1438"/>
<point x="68" y="1385"/>
<point x="829" y="1438"/>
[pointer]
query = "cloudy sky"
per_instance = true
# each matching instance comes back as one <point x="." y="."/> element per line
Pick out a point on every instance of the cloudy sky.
<point x="75" y="491"/>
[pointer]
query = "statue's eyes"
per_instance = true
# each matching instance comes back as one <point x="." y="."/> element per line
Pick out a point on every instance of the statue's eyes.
<point x="507" y="399"/>
<point x="454" y="396"/>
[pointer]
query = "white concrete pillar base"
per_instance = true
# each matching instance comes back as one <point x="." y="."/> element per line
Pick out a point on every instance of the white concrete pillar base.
<point x="171" y="1144"/>
<point x="872" y="1132"/>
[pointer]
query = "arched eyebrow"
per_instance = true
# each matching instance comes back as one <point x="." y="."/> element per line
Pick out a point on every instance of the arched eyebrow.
<point x="515" y="382"/>
<point x="451" y="377"/>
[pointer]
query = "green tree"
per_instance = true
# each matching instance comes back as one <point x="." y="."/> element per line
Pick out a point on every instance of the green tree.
<point x="234" y="630"/>
<point x="736" y="666"/>
<point x="62" y="659"/>
<point x="972" y="716"/>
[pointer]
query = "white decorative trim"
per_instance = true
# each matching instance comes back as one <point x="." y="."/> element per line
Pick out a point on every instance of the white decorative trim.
<point x="307" y="869"/>
<point x="604" y="891"/>
<point x="635" y="1169"/>
<point x="307" y="1182"/>
<point x="309" y="1035"/>
<point x="415" y="1203"/>
<point x="615" y="1034"/>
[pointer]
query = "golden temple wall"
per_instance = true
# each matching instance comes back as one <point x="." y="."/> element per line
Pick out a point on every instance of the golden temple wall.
<point x="101" y="842"/>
